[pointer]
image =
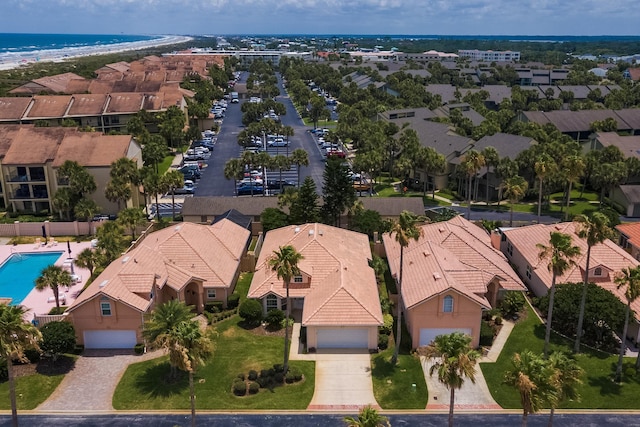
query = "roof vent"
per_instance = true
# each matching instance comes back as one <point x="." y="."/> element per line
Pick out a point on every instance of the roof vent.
<point x="311" y="232"/>
<point x="426" y="254"/>
<point x="104" y="283"/>
<point x="436" y="275"/>
<point x="177" y="228"/>
<point x="296" y="230"/>
<point x="441" y="229"/>
<point x="320" y="232"/>
<point x="125" y="259"/>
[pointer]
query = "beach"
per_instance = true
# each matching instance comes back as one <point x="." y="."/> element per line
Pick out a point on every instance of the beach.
<point x="18" y="59"/>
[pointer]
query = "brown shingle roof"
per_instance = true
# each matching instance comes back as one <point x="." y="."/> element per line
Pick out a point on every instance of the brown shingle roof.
<point x="13" y="108"/>
<point x="48" y="106"/>
<point x="92" y="149"/>
<point x="33" y="145"/>
<point x="124" y="102"/>
<point x="342" y="288"/>
<point x="87" y="105"/>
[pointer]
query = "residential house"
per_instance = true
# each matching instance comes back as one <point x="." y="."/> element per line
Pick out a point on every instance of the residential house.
<point x="336" y="294"/>
<point x="189" y="262"/>
<point x="628" y="197"/>
<point x="607" y="260"/>
<point x="450" y="275"/>
<point x="30" y="157"/>
<point x="48" y="84"/>
<point x="630" y="238"/>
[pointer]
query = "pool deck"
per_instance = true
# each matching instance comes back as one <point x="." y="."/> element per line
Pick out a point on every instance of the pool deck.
<point x="37" y="301"/>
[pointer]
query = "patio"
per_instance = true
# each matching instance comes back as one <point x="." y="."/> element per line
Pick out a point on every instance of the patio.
<point x="41" y="302"/>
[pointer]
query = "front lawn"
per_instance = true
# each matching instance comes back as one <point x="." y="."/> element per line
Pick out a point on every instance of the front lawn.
<point x="143" y="386"/>
<point x="399" y="387"/>
<point x="598" y="390"/>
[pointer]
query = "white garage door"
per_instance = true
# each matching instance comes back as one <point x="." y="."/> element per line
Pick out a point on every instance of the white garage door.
<point x="428" y="334"/>
<point x="343" y="338"/>
<point x="109" y="339"/>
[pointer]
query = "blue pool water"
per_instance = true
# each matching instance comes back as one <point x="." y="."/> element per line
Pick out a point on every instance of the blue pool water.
<point x="19" y="272"/>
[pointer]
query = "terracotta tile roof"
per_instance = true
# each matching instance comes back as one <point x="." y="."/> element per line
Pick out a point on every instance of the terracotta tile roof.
<point x="606" y="255"/>
<point x="342" y="289"/>
<point x="48" y="106"/>
<point x="172" y="257"/>
<point x="455" y="254"/>
<point x="13" y="108"/>
<point x="632" y="231"/>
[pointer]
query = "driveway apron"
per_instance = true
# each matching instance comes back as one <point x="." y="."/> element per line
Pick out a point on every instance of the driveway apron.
<point x="343" y="381"/>
<point x="90" y="385"/>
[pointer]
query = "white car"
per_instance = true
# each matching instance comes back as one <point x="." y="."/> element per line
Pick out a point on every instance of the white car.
<point x="278" y="142"/>
<point x="251" y="180"/>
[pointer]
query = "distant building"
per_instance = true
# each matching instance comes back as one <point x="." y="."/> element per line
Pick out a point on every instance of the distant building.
<point x="489" y="55"/>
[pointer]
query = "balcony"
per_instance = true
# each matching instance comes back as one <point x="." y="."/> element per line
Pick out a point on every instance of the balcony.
<point x="26" y="193"/>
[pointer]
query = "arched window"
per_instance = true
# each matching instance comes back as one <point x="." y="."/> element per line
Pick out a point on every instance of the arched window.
<point x="597" y="271"/>
<point x="447" y="305"/>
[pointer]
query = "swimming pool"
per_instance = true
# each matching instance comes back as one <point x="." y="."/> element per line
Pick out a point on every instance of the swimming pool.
<point x="19" y="272"/>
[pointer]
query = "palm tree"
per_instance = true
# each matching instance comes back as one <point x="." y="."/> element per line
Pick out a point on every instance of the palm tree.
<point x="162" y="323"/>
<point x="629" y="277"/>
<point x="533" y="377"/>
<point x="233" y="169"/>
<point x="491" y="158"/>
<point x="88" y="259"/>
<point x="430" y="161"/>
<point x="16" y="336"/>
<point x="117" y="191"/>
<point x="173" y="180"/>
<point x="560" y="254"/>
<point x="404" y="230"/>
<point x="471" y="164"/>
<point x="188" y="347"/>
<point x="515" y="188"/>
<point x="573" y="167"/>
<point x="567" y="379"/>
<point x="281" y="163"/>
<point x="505" y="169"/>
<point x="86" y="209"/>
<point x="368" y="417"/>
<point x="299" y="157"/>
<point x="52" y="277"/>
<point x="457" y="360"/>
<point x="595" y="229"/>
<point x="544" y="166"/>
<point x="132" y="218"/>
<point x="152" y="185"/>
<point x="284" y="263"/>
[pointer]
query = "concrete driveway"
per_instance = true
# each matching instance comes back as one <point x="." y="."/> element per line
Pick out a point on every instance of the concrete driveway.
<point x="343" y="381"/>
<point x="89" y="386"/>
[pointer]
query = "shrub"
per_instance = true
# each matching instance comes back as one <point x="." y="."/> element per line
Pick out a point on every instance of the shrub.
<point x="57" y="310"/>
<point x="498" y="320"/>
<point x="233" y="301"/>
<point x="486" y="334"/>
<point x="275" y="317"/>
<point x="265" y="373"/>
<point x="284" y="323"/>
<point x="214" y="306"/>
<point x="278" y="367"/>
<point x="239" y="387"/>
<point x="58" y="338"/>
<point x="32" y="354"/>
<point x="297" y="374"/>
<point x="385" y="305"/>
<point x="383" y="341"/>
<point x="240" y="376"/>
<point x="139" y="348"/>
<point x="264" y="382"/>
<point x="290" y="377"/>
<point x="254" y="387"/>
<point x="387" y="326"/>
<point x="511" y="304"/>
<point x="278" y="377"/>
<point x="253" y="375"/>
<point x="251" y="311"/>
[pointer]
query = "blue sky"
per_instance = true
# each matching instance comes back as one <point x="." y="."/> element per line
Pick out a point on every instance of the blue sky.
<point x="464" y="17"/>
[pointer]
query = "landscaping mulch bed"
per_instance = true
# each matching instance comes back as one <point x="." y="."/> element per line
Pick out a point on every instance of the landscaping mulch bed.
<point x="265" y="330"/>
<point x="45" y="366"/>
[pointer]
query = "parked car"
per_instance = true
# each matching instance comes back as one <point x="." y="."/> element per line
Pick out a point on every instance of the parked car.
<point x="248" y="189"/>
<point x="190" y="169"/>
<point x="274" y="184"/>
<point x="188" y="188"/>
<point x="251" y="180"/>
<point x="278" y="142"/>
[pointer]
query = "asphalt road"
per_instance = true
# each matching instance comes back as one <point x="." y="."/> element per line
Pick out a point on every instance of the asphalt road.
<point x="213" y="182"/>
<point x="320" y="420"/>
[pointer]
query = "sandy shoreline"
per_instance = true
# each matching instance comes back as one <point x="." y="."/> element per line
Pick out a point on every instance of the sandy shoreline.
<point x="57" y="55"/>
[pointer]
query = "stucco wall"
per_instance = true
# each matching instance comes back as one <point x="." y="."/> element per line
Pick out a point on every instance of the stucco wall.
<point x="519" y="264"/>
<point x="429" y="314"/>
<point x="88" y="317"/>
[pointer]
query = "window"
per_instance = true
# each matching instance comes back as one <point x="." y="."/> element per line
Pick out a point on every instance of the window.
<point x="528" y="273"/>
<point x="509" y="248"/>
<point x="597" y="271"/>
<point x="297" y="279"/>
<point x="447" y="305"/>
<point x="272" y="302"/>
<point x="105" y="307"/>
<point x="211" y="293"/>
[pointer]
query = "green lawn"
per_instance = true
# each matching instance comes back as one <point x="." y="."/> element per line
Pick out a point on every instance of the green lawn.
<point x="31" y="390"/>
<point x="243" y="285"/>
<point x="143" y="386"/>
<point x="598" y="390"/>
<point x="393" y="387"/>
<point x="165" y="165"/>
